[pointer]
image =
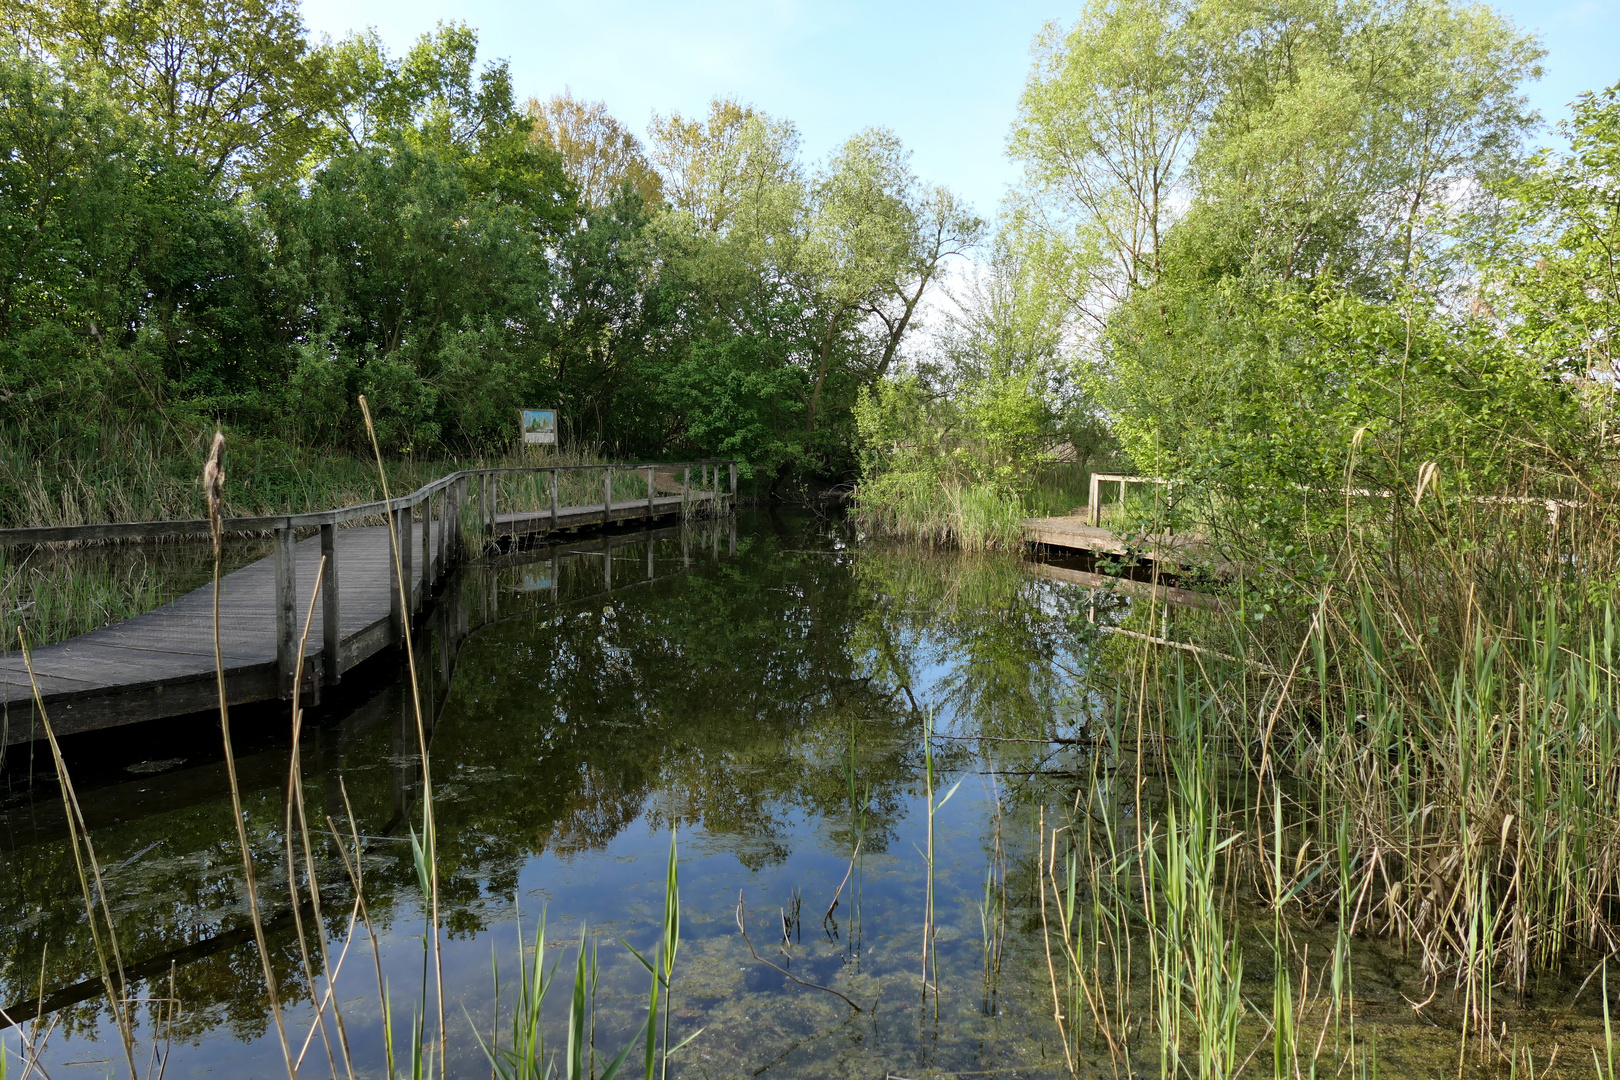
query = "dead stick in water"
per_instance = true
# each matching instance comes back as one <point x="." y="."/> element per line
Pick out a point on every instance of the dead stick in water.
<point x="742" y="928"/>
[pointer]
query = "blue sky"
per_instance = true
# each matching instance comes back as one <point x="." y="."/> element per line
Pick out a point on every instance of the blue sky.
<point x="944" y="75"/>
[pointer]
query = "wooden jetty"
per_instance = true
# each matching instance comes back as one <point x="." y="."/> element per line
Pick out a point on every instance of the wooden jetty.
<point x="161" y="663"/>
<point x="1083" y="531"/>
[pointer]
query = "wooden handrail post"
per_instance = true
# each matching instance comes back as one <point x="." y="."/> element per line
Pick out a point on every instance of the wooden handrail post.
<point x="607" y="495"/>
<point x="426" y="569"/>
<point x="717" y="487"/>
<point x="1093" y="510"/>
<point x="457" y="551"/>
<point x="649" y="492"/>
<point x="286" y="605"/>
<point x="734" y="485"/>
<point x="553" y="500"/>
<point x="396" y="609"/>
<point x="442" y="544"/>
<point x="686" y="486"/>
<point x="494" y="505"/>
<point x="406" y="578"/>
<point x="331" y="623"/>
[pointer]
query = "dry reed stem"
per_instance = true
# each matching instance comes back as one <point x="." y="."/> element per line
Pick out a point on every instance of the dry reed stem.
<point x="295" y="800"/>
<point x="78" y="831"/>
<point x="429" y="828"/>
<point x="214" y="488"/>
<point x="1046" y="940"/>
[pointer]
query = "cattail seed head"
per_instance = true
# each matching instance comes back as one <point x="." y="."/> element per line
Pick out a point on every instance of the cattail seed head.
<point x="214" y="487"/>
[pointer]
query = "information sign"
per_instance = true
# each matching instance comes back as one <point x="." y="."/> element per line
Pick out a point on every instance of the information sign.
<point x="539" y="425"/>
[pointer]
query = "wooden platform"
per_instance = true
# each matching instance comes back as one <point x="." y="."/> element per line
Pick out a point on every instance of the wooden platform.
<point x="1074" y="533"/>
<point x="161" y="663"/>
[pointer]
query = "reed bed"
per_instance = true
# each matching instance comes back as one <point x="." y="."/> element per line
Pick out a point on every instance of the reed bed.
<point x="923" y="509"/>
<point x="1403" y="736"/>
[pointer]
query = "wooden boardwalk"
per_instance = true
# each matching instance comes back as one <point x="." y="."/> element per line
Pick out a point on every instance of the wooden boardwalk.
<point x="1077" y="533"/>
<point x="161" y="663"/>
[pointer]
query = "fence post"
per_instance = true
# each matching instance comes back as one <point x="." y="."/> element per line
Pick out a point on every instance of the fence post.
<point x="1094" y="511"/>
<point x="717" y="487"/>
<point x="331" y="626"/>
<point x="456" y="541"/>
<point x="286" y="604"/>
<point x="649" y="492"/>
<point x="494" y="505"/>
<point x="407" y="581"/>
<point x="734" y="485"/>
<point x="686" y="486"/>
<point x="396" y="610"/>
<point x="442" y="545"/>
<point x="607" y="495"/>
<point x="553" y="500"/>
<point x="426" y="569"/>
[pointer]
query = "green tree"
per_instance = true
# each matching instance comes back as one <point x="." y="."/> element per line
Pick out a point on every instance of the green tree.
<point x="231" y="83"/>
<point x="601" y="155"/>
<point x="1554" y="265"/>
<point x="132" y="279"/>
<point x="1237" y="166"/>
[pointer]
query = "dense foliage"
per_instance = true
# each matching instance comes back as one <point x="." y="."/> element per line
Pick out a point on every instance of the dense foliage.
<point x="210" y="219"/>
<point x="1281" y="249"/>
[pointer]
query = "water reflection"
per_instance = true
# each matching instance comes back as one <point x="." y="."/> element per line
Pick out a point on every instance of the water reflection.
<point x="760" y="689"/>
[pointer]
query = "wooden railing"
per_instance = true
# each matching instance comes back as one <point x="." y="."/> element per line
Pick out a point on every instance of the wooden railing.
<point x="440" y="502"/>
<point x="1554" y="507"/>
<point x="1094" y="505"/>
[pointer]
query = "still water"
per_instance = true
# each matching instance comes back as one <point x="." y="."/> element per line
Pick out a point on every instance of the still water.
<point x="755" y="692"/>
<point x="758" y="693"/>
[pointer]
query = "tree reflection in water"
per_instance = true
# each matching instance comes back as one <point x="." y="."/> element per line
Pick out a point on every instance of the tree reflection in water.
<point x="741" y="703"/>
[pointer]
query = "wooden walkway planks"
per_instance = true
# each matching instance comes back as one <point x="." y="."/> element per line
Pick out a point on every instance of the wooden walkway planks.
<point x="1078" y="534"/>
<point x="161" y="663"/>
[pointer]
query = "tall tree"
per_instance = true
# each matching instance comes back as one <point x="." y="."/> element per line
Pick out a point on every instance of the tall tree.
<point x="601" y="155"/>
<point x="231" y="83"/>
<point x="1185" y="159"/>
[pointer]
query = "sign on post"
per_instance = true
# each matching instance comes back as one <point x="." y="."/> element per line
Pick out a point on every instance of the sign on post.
<point x="539" y="425"/>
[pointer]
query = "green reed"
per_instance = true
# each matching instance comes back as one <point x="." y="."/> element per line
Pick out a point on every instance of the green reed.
<point x="64" y="597"/>
<point x="526" y="1056"/>
<point x="930" y="959"/>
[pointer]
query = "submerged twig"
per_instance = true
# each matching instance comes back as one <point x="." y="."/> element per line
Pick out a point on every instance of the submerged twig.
<point x="742" y="928"/>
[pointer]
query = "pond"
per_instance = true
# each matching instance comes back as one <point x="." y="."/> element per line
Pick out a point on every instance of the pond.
<point x="778" y="701"/>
